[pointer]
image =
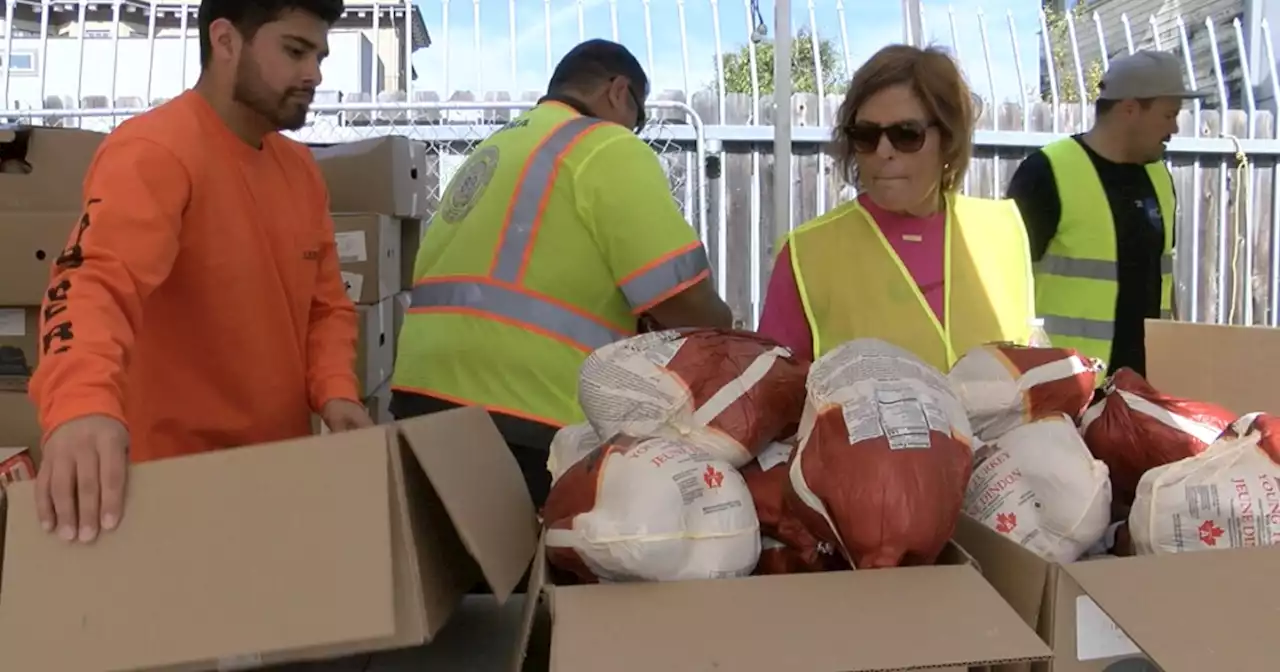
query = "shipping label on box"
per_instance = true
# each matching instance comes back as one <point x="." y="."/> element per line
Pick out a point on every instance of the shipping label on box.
<point x="368" y="247"/>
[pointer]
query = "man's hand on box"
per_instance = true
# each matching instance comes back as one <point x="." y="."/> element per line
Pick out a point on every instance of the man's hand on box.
<point x="341" y="415"/>
<point x="81" y="481"/>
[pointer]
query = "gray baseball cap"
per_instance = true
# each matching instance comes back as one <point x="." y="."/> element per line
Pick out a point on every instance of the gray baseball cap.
<point x="1145" y="74"/>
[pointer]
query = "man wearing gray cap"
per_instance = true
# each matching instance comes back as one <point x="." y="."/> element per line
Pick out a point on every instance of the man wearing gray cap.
<point x="1099" y="209"/>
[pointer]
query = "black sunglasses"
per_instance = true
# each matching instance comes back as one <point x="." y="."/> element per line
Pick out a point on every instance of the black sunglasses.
<point x="905" y="136"/>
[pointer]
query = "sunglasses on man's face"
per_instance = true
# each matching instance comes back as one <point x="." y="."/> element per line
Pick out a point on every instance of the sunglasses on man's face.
<point x="905" y="136"/>
<point x="640" y="115"/>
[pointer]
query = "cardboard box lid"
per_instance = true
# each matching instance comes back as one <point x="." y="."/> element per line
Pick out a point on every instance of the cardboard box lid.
<point x="1019" y="575"/>
<point x="299" y="529"/>
<point x="269" y="550"/>
<point x="904" y="618"/>
<point x="1192" y="612"/>
<point x="1228" y="378"/>
<point x="482" y="489"/>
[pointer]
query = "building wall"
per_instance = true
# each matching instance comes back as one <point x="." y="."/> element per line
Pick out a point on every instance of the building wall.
<point x="347" y="69"/>
<point x="1166" y="12"/>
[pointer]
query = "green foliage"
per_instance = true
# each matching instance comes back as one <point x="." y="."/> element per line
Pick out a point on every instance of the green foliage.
<point x="737" y="67"/>
<point x="1062" y="61"/>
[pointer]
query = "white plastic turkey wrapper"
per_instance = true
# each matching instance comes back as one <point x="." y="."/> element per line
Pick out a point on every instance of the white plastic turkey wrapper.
<point x="663" y="511"/>
<point x="1040" y="486"/>
<point x="571" y="444"/>
<point x="1222" y="498"/>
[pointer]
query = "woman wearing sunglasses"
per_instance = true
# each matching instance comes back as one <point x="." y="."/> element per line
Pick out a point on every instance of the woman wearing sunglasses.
<point x="910" y="260"/>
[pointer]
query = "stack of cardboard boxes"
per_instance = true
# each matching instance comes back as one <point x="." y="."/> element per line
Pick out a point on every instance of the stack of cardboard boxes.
<point x="41" y="171"/>
<point x="378" y="194"/>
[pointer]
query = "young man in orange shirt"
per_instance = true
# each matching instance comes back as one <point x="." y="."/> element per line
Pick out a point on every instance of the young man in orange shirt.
<point x="198" y="304"/>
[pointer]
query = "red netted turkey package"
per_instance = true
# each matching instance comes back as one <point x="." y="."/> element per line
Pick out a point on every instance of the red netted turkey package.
<point x="884" y="456"/>
<point x="730" y="392"/>
<point x="788" y="546"/>
<point x="1135" y="428"/>
<point x="1003" y="386"/>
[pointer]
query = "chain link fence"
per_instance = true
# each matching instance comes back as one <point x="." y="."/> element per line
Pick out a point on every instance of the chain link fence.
<point x="451" y="131"/>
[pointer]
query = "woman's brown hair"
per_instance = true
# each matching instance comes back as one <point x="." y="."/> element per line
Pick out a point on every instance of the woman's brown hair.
<point x="936" y="81"/>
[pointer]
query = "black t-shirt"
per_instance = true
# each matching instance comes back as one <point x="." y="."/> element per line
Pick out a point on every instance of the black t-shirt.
<point x="1135" y="209"/>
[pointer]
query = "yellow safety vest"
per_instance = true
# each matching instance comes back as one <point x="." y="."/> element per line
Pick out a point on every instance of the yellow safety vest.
<point x="1076" y="279"/>
<point x="492" y="320"/>
<point x="853" y="285"/>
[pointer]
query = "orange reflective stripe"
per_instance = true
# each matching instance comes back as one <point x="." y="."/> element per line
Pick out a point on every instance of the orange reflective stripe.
<point x="524" y="216"/>
<point x="510" y="304"/>
<point x="660" y="280"/>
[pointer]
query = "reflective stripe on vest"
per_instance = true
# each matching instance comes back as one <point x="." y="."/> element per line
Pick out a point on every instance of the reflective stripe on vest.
<point x="1077" y="279"/>
<point x="1091" y="269"/>
<point x="658" y="281"/>
<point x="499" y="296"/>
<point x="530" y="200"/>
<point x="513" y="305"/>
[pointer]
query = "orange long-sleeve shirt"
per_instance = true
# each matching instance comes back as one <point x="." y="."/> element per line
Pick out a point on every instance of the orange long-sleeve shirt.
<point x="199" y="298"/>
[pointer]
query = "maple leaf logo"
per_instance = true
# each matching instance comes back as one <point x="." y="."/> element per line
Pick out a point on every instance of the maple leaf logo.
<point x="1209" y="533"/>
<point x="1005" y="522"/>
<point x="712" y="477"/>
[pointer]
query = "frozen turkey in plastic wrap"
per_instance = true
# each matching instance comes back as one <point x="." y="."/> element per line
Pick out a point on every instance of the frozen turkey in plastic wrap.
<point x="884" y="456"/>
<point x="1135" y="428"/>
<point x="729" y="392"/>
<point x="1227" y="496"/>
<point x="1003" y="386"/>
<point x="788" y="547"/>
<point x="569" y="445"/>
<point x="651" y="509"/>
<point x="1039" y="486"/>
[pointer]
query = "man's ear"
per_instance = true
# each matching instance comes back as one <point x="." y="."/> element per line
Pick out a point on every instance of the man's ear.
<point x="225" y="39"/>
<point x="619" y="92"/>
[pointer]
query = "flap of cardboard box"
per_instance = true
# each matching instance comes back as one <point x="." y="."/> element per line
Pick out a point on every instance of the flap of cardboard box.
<point x="476" y="479"/>
<point x="273" y="548"/>
<point x="905" y="618"/>
<point x="1192" y="612"/>
<point x="1018" y="574"/>
<point x="1177" y="363"/>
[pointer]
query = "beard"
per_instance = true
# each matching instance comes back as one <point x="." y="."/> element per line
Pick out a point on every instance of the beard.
<point x="286" y="110"/>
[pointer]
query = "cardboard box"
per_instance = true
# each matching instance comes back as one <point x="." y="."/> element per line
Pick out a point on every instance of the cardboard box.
<point x="32" y="242"/>
<point x="41" y="169"/>
<point x="1114" y="614"/>
<point x="400" y="306"/>
<point x="944" y="617"/>
<point x="19" y="427"/>
<point x="385" y="175"/>
<point x="19" y="341"/>
<point x="381" y="533"/>
<point x="369" y="253"/>
<point x="379" y="404"/>
<point x="375" y="346"/>
<point x="411" y="232"/>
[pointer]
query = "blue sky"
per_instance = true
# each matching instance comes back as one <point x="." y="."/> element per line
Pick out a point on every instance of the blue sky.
<point x="870" y="23"/>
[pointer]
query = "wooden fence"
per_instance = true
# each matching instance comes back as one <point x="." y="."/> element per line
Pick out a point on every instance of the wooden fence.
<point x="1226" y="204"/>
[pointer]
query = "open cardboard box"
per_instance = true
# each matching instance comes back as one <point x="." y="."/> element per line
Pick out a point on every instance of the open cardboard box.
<point x="1193" y="612"/>
<point x="296" y="550"/>
<point x="943" y="617"/>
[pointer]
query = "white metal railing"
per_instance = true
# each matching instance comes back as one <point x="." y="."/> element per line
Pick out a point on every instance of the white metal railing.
<point x="715" y="127"/>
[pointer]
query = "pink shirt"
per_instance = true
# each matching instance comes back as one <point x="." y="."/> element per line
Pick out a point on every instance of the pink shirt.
<point x="920" y="242"/>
